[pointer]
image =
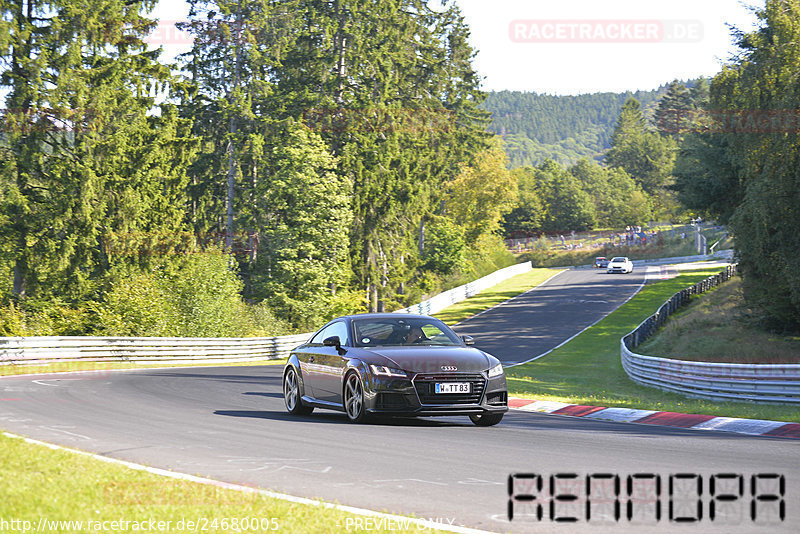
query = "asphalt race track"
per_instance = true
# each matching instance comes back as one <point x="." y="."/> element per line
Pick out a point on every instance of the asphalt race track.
<point x="540" y="319"/>
<point x="230" y="424"/>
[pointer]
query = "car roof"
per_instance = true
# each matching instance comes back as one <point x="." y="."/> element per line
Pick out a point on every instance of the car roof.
<point x="393" y="315"/>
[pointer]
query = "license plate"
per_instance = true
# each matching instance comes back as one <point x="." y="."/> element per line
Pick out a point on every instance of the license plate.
<point x="453" y="387"/>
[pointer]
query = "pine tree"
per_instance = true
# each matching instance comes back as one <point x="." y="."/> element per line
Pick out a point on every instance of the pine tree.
<point x="263" y="180"/>
<point x="672" y="113"/>
<point x="391" y="88"/>
<point x="645" y="155"/>
<point x="86" y="159"/>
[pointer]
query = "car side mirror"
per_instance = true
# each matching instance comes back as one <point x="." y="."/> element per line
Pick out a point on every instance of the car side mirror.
<point x="468" y="340"/>
<point x="334" y="341"/>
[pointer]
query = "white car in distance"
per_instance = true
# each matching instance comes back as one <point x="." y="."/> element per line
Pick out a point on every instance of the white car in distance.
<point x="620" y="264"/>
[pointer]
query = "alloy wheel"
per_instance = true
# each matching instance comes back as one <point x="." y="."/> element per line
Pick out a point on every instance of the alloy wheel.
<point x="354" y="398"/>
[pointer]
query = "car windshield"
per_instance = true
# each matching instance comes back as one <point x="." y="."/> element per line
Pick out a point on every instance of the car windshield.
<point x="402" y="331"/>
<point x="619" y="260"/>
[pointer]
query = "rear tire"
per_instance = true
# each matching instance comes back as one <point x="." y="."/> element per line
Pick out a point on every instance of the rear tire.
<point x="486" y="419"/>
<point x="291" y="394"/>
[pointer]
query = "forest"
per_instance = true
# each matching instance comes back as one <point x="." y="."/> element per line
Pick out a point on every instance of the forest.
<point x="739" y="160"/>
<point x="564" y="128"/>
<point x="307" y="159"/>
<point x="302" y="160"/>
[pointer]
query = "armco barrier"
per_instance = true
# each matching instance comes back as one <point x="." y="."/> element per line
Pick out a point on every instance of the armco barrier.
<point x="32" y="350"/>
<point x="717" y="381"/>
<point x="36" y="350"/>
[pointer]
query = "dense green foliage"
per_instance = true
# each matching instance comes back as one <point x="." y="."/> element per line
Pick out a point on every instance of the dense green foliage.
<point x="307" y="159"/>
<point x="557" y="199"/>
<point x="645" y="154"/>
<point x="740" y="160"/>
<point x="304" y="150"/>
<point x="536" y="127"/>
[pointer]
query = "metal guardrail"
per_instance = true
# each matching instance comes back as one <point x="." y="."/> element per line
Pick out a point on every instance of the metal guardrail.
<point x="44" y="349"/>
<point x="716" y="381"/>
<point x="47" y="349"/>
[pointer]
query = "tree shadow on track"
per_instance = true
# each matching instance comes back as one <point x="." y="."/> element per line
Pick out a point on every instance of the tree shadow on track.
<point x="277" y="395"/>
<point x="247" y="378"/>
<point x="340" y="418"/>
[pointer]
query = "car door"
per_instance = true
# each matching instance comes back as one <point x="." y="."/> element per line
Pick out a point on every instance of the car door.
<point x="325" y="365"/>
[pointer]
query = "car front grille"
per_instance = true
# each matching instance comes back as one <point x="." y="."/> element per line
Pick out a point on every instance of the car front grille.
<point x="426" y="389"/>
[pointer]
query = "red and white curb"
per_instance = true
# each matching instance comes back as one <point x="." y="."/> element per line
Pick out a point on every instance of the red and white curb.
<point x="753" y="427"/>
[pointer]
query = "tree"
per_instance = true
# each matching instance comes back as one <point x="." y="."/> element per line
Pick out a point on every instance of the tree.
<point x="569" y="207"/>
<point x="527" y="215"/>
<point x="444" y="247"/>
<point x="88" y="156"/>
<point x="759" y="179"/>
<point x="237" y="47"/>
<point x="672" y="111"/>
<point x="706" y="178"/>
<point x="302" y="254"/>
<point x="481" y="193"/>
<point x="618" y="201"/>
<point x="646" y="156"/>
<point x="399" y="112"/>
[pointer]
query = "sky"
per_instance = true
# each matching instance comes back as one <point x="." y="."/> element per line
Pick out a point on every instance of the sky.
<point x="580" y="46"/>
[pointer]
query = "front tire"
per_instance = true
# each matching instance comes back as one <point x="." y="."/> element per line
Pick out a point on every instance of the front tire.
<point x="291" y="394"/>
<point x="486" y="419"/>
<point x="353" y="398"/>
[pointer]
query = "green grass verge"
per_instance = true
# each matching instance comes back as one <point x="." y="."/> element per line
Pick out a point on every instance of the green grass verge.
<point x="40" y="483"/>
<point x="495" y="295"/>
<point x="587" y="370"/>
<point x="719" y="326"/>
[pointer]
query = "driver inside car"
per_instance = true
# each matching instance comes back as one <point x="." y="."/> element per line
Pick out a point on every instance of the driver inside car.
<point x="414" y="335"/>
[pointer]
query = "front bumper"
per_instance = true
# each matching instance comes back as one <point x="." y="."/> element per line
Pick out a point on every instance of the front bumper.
<point x="415" y="396"/>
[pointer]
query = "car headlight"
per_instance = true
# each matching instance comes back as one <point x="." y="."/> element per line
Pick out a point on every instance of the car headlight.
<point x="497" y="370"/>
<point x="382" y="370"/>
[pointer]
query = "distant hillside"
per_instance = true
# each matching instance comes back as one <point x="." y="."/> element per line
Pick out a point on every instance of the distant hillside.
<point x="562" y="128"/>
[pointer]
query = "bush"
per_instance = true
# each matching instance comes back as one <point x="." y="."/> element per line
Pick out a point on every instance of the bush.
<point x="444" y="247"/>
<point x="192" y="296"/>
<point x="45" y="318"/>
<point x="139" y="304"/>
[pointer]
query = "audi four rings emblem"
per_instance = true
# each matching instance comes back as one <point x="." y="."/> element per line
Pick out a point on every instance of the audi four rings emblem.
<point x="449" y="368"/>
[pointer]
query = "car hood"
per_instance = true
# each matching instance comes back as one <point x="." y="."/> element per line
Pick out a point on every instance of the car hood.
<point x="430" y="359"/>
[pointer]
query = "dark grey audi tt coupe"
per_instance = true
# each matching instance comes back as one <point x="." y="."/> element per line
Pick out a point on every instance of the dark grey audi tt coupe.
<point x="394" y="364"/>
